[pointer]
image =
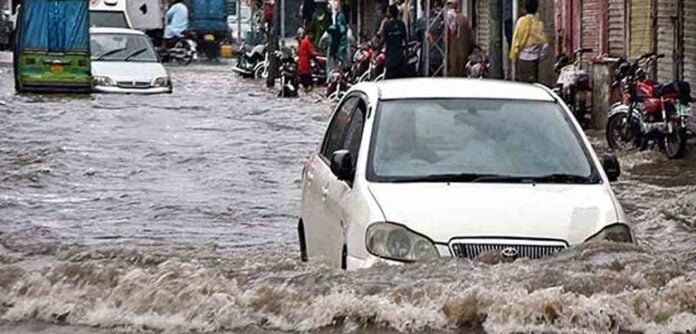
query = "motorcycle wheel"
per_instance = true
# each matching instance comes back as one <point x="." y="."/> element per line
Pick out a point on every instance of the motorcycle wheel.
<point x="621" y="134"/>
<point x="675" y="144"/>
<point x="261" y="73"/>
<point x="187" y="58"/>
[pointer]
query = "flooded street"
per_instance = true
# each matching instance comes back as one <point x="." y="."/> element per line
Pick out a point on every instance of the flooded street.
<point x="177" y="214"/>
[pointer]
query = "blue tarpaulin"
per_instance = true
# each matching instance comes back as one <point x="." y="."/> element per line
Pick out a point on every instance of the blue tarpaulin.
<point x="209" y="15"/>
<point x="55" y="25"/>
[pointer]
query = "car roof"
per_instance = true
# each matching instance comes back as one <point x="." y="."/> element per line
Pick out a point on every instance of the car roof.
<point x="423" y="88"/>
<point x="115" y="31"/>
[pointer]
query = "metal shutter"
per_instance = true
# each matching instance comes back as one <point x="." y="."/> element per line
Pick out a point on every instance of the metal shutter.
<point x="590" y="20"/>
<point x="641" y="28"/>
<point x="666" y="38"/>
<point x="483" y="24"/>
<point x="690" y="41"/>
<point x="617" y="28"/>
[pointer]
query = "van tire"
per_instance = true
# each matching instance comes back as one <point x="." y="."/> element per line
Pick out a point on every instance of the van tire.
<point x="303" y="241"/>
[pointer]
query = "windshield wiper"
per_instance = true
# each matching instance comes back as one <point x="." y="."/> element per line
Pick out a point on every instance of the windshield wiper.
<point x="135" y="54"/>
<point x="112" y="52"/>
<point x="463" y="177"/>
<point x="566" y="178"/>
<point x="551" y="178"/>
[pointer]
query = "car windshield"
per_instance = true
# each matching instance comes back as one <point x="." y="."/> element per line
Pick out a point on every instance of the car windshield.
<point x="468" y="140"/>
<point x="105" y="19"/>
<point x="122" y="47"/>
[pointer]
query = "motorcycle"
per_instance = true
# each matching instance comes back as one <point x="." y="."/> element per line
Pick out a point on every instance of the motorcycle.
<point x="338" y="83"/>
<point x="477" y="66"/>
<point x="650" y="112"/>
<point x="183" y="52"/>
<point x="413" y="59"/>
<point x="288" y="74"/>
<point x="252" y="63"/>
<point x="362" y="58"/>
<point x="319" y="75"/>
<point x="573" y="85"/>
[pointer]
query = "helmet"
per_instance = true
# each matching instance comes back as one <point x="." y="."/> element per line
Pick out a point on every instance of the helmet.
<point x="300" y="33"/>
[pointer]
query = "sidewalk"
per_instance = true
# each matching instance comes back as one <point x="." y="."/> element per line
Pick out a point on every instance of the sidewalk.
<point x="6" y="58"/>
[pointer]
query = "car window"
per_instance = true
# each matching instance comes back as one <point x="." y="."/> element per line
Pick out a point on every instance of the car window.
<point x="417" y="139"/>
<point x="355" y="131"/>
<point x="122" y="47"/>
<point x="338" y="128"/>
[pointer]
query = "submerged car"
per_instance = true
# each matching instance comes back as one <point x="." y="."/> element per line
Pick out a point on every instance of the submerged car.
<point x="125" y="61"/>
<point x="415" y="169"/>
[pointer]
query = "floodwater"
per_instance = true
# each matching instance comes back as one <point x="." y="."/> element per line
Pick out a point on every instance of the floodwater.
<point x="177" y="214"/>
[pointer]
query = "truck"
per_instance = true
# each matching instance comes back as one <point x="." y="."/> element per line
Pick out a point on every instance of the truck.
<point x="52" y="52"/>
<point x="143" y="15"/>
<point x="208" y="24"/>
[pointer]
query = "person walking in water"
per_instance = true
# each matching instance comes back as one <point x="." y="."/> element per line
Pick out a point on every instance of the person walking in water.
<point x="529" y="43"/>
<point x="394" y="35"/>
<point x="304" y="62"/>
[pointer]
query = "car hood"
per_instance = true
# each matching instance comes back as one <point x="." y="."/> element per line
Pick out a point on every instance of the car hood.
<point x="129" y="71"/>
<point x="443" y="212"/>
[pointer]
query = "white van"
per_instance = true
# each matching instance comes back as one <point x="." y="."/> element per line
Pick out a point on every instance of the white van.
<point x="130" y="14"/>
<point x="109" y="14"/>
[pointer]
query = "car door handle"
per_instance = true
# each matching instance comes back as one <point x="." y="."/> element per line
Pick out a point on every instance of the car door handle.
<point x="324" y="192"/>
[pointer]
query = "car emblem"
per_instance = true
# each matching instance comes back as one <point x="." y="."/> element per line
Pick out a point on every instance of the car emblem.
<point x="510" y="253"/>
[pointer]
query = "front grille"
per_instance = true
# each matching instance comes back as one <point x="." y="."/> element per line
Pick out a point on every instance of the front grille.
<point x="535" y="250"/>
<point x="133" y="84"/>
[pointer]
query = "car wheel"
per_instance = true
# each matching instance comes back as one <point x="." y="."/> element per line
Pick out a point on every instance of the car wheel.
<point x="344" y="258"/>
<point x="303" y="242"/>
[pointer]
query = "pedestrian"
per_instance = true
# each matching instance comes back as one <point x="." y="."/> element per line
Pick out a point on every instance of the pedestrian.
<point x="394" y="35"/>
<point x="321" y="21"/>
<point x="435" y="38"/>
<point x="529" y="43"/>
<point x="177" y="22"/>
<point x="460" y="42"/>
<point x="336" y="41"/>
<point x="304" y="62"/>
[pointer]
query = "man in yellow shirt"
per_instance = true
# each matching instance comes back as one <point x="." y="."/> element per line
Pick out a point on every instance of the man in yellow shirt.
<point x="528" y="44"/>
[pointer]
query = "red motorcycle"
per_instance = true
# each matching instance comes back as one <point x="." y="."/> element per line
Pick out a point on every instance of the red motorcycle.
<point x="650" y="113"/>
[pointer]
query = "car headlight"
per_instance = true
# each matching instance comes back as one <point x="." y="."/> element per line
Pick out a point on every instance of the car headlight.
<point x="395" y="242"/>
<point x="99" y="80"/>
<point x="616" y="232"/>
<point x="161" y="82"/>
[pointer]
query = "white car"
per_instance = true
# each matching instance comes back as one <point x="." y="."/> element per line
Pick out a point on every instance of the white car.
<point x="125" y="61"/>
<point x="415" y="169"/>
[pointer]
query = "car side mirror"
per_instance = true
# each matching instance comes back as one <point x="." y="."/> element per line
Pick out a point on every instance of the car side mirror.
<point x="342" y="165"/>
<point x="611" y="167"/>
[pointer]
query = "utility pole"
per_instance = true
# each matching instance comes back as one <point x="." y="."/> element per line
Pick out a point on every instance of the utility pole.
<point x="273" y="46"/>
<point x="495" y="46"/>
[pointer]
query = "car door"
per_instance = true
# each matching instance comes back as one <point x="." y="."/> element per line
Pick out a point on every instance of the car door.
<point x="339" y="190"/>
<point x="319" y="237"/>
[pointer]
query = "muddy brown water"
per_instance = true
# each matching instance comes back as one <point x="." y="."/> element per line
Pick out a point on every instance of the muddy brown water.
<point x="176" y="214"/>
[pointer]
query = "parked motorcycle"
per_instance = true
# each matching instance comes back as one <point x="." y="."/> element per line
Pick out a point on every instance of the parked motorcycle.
<point x="573" y="85"/>
<point x="319" y="75"/>
<point x="183" y="52"/>
<point x="650" y="112"/>
<point x="252" y="62"/>
<point x="288" y="74"/>
<point x="338" y="83"/>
